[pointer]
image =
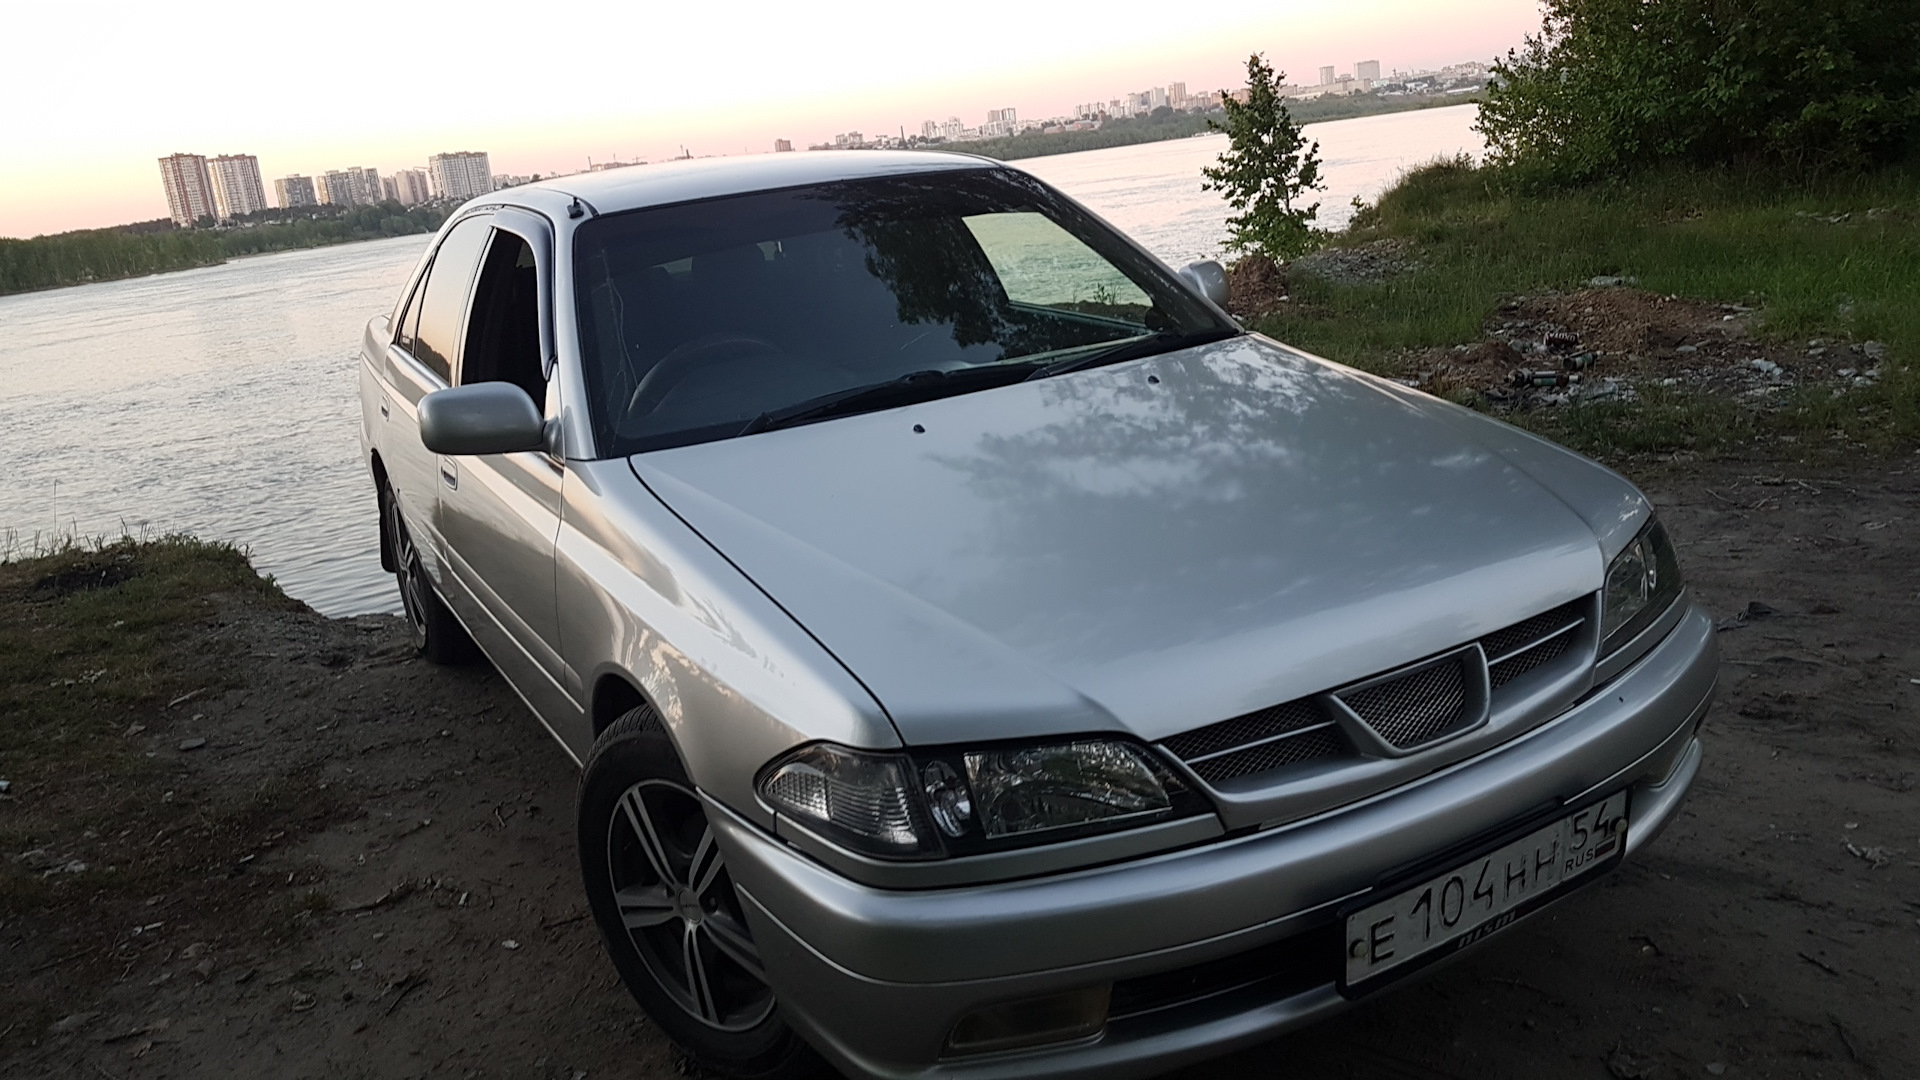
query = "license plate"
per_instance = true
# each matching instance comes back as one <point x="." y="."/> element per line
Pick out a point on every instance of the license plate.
<point x="1448" y="911"/>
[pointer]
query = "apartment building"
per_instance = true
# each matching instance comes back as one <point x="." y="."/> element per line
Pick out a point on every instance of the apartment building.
<point x="461" y="174"/>
<point x="237" y="188"/>
<point x="189" y="189"/>
<point x="410" y="187"/>
<point x="292" y="191"/>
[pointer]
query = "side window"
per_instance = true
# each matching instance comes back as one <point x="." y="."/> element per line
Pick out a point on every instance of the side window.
<point x="503" y="331"/>
<point x="409" y="320"/>
<point x="1043" y="265"/>
<point x="444" y="300"/>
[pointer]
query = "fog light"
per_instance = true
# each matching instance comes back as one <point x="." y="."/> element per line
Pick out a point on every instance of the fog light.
<point x="1037" y="1021"/>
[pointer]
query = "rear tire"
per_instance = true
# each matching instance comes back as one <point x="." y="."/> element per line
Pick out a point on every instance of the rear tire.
<point x="436" y="633"/>
<point x="667" y="911"/>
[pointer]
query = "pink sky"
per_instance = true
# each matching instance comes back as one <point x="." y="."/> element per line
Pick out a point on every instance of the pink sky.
<point x="598" y="80"/>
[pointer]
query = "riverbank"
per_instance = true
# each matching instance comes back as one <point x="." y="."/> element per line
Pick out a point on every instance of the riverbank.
<point x="1183" y="125"/>
<point x="243" y="839"/>
<point x="1685" y="313"/>
<point x="95" y="255"/>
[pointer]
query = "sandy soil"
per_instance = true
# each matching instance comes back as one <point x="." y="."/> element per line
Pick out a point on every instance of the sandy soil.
<point x="413" y="909"/>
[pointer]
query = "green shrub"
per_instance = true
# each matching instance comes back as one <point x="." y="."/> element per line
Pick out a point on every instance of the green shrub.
<point x="1609" y="86"/>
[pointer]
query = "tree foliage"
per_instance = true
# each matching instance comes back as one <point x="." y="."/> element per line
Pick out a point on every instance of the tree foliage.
<point x="1266" y="171"/>
<point x="1608" y="86"/>
<point x="75" y="258"/>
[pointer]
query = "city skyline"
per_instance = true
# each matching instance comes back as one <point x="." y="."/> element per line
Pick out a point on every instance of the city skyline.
<point x="82" y="158"/>
<point x="465" y="174"/>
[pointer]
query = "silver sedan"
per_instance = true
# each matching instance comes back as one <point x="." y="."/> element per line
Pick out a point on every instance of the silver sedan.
<point x="985" y="657"/>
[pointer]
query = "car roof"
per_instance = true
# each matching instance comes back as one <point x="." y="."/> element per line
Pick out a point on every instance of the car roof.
<point x="636" y="186"/>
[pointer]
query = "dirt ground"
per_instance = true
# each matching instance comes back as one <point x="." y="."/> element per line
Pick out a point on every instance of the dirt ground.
<point x="1609" y="341"/>
<point x="413" y="908"/>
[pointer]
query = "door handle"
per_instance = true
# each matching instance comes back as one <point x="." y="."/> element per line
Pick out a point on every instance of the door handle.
<point x="385" y="410"/>
<point x="450" y="473"/>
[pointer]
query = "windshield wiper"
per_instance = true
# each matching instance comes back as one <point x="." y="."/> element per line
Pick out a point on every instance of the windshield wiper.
<point x="909" y="389"/>
<point x="1134" y="349"/>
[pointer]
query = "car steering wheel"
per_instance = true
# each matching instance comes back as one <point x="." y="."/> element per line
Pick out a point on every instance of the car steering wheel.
<point x="689" y="357"/>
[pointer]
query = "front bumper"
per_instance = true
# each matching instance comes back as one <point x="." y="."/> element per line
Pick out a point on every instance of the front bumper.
<point x="1209" y="948"/>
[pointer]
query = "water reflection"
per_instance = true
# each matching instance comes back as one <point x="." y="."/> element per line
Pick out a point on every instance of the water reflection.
<point x="1207" y="504"/>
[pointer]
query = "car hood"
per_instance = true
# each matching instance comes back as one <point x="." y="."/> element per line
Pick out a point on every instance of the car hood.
<point x="1147" y="547"/>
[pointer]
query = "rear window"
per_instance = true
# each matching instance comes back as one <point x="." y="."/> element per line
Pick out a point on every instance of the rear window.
<point x="697" y="318"/>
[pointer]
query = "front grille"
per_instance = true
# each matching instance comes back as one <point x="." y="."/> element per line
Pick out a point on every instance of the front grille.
<point x="1324" y="742"/>
<point x="1423" y="705"/>
<point x="1290" y="734"/>
<point x="1241" y="730"/>
<point x="1531" y="644"/>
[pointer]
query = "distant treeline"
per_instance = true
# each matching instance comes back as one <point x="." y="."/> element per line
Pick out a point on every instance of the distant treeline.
<point x="1165" y="123"/>
<point x="75" y="258"/>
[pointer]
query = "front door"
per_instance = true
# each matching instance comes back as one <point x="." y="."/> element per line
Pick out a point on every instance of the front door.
<point x="499" y="515"/>
<point x="418" y="362"/>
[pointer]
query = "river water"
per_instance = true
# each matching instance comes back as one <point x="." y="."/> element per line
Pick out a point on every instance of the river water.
<point x="223" y="401"/>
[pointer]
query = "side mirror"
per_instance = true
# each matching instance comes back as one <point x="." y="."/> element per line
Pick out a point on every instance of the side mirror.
<point x="485" y="418"/>
<point x="1208" y="278"/>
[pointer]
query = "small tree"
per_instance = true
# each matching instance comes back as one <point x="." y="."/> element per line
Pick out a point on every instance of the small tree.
<point x="1267" y="169"/>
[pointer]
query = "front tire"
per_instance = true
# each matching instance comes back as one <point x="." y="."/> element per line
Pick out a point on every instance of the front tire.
<point x="669" y="917"/>
<point x="436" y="633"/>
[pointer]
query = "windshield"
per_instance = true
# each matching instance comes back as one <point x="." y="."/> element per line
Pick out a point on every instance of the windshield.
<point x="699" y="319"/>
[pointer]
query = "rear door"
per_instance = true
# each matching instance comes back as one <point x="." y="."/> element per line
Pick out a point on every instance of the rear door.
<point x="420" y="361"/>
<point x="499" y="514"/>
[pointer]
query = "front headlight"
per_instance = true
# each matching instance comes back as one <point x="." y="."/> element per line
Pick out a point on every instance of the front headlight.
<point x="1642" y="582"/>
<point x="967" y="801"/>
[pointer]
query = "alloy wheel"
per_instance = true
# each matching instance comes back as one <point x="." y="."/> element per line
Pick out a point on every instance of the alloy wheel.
<point x="679" y="908"/>
<point x="407" y="569"/>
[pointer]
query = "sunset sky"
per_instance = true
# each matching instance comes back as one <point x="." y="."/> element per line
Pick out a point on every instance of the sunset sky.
<point x="96" y="92"/>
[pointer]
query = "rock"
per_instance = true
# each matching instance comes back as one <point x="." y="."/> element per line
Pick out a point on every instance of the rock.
<point x="1688" y="349"/>
<point x="1496" y="352"/>
<point x="5" y="786"/>
<point x="302" y="1001"/>
<point x="192" y="744"/>
<point x="1625" y="1066"/>
<point x="1716" y="1068"/>
<point x="509" y="944"/>
<point x="1609" y="281"/>
<point x="1875" y="350"/>
<point x="71" y="1022"/>
<point x="194" y="951"/>
<point x="1764" y="366"/>
<point x="203" y="970"/>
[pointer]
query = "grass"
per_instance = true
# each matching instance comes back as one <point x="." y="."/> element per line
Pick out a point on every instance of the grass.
<point x="1834" y="258"/>
<point x="91" y="643"/>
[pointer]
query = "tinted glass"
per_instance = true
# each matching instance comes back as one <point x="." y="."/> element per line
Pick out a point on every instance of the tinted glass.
<point x="697" y="318"/>
<point x="444" y="301"/>
<point x="403" y="325"/>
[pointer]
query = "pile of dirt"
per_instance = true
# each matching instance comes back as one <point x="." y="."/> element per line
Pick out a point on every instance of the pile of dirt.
<point x="1610" y="341"/>
<point x="1256" y="286"/>
<point x="1377" y="260"/>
